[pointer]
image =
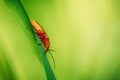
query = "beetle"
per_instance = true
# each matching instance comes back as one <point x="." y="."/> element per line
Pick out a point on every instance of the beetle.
<point x="43" y="37"/>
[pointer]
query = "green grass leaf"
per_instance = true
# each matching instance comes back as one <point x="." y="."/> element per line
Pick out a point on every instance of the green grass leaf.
<point x="19" y="45"/>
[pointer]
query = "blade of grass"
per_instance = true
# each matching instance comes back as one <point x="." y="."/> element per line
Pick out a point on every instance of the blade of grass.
<point x="19" y="13"/>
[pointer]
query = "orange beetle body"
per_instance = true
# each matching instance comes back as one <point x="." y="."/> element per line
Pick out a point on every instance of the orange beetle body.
<point x="41" y="34"/>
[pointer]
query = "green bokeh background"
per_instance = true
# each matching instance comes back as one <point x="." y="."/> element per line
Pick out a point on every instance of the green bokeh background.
<point x="84" y="33"/>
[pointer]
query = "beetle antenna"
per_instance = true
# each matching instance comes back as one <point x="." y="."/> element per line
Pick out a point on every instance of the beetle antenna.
<point x="52" y="59"/>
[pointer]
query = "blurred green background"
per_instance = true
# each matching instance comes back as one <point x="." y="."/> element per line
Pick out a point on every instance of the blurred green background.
<point x="85" y="35"/>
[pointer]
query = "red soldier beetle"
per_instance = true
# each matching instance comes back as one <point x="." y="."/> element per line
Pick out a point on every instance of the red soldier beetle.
<point x="43" y="37"/>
